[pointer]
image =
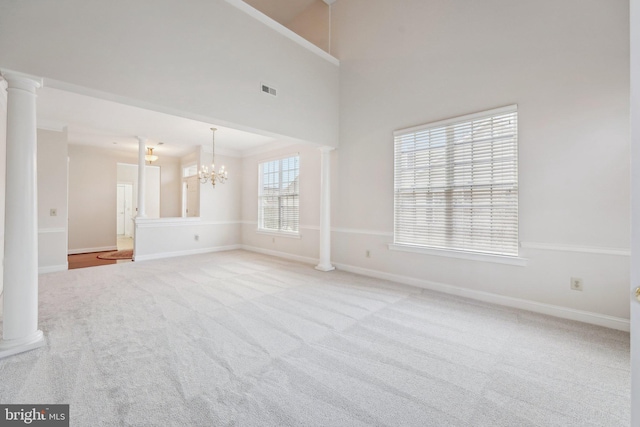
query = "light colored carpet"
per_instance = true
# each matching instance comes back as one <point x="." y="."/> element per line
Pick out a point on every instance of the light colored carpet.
<point x="238" y="338"/>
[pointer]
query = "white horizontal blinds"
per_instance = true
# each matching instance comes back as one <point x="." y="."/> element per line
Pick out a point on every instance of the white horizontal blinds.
<point x="456" y="184"/>
<point x="279" y="195"/>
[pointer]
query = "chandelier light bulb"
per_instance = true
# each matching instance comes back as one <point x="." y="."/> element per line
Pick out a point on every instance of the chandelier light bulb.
<point x="213" y="176"/>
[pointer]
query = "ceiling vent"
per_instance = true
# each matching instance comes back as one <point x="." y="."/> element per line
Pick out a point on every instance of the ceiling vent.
<point x="267" y="89"/>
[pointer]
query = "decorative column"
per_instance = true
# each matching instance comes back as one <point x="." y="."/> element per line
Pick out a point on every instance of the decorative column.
<point x="20" y="319"/>
<point x="325" y="210"/>
<point x="142" y="150"/>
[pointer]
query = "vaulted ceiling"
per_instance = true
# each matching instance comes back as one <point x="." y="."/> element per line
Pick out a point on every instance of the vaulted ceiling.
<point x="282" y="11"/>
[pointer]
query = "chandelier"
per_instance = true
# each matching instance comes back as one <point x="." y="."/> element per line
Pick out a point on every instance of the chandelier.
<point x="150" y="157"/>
<point x="213" y="176"/>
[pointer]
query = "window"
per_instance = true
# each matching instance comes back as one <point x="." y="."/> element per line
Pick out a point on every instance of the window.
<point x="278" y="195"/>
<point x="190" y="170"/>
<point x="456" y="184"/>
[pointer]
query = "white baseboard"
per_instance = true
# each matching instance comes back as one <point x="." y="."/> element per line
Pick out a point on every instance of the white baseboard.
<point x="53" y="268"/>
<point x="91" y="250"/>
<point x="293" y="257"/>
<point x="537" y="307"/>
<point x="161" y="255"/>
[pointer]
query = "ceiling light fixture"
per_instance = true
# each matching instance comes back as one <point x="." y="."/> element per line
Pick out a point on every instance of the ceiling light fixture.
<point x="150" y="157"/>
<point x="213" y="176"/>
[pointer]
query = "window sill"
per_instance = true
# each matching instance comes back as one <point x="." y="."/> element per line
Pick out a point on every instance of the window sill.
<point x="288" y="234"/>
<point x="499" y="259"/>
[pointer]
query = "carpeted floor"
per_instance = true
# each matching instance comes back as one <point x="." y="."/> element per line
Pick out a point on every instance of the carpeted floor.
<point x="238" y="338"/>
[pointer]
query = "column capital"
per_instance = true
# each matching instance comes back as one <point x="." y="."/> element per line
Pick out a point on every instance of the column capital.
<point x="142" y="139"/>
<point x="19" y="80"/>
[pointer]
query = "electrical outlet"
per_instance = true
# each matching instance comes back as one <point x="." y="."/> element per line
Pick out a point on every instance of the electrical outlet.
<point x="196" y="237"/>
<point x="53" y="212"/>
<point x="576" y="284"/>
<point x="368" y="253"/>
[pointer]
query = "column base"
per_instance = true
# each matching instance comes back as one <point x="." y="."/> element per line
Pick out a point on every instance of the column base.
<point x="327" y="267"/>
<point x="20" y="345"/>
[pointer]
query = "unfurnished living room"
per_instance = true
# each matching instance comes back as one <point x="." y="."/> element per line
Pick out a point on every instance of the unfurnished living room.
<point x="320" y="212"/>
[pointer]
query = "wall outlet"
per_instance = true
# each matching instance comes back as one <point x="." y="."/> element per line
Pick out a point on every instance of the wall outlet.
<point x="576" y="284"/>
<point x="53" y="212"/>
<point x="196" y="237"/>
<point x="367" y="253"/>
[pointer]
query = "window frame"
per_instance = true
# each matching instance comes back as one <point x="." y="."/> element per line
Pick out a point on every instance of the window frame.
<point x="428" y="247"/>
<point x="279" y="231"/>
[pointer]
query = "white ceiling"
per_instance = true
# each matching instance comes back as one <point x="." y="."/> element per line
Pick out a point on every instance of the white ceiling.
<point x="98" y="122"/>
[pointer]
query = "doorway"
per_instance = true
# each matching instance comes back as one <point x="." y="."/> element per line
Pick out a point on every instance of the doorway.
<point x="124" y="216"/>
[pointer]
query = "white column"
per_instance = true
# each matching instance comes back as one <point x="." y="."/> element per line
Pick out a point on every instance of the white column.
<point x="20" y="323"/>
<point x="635" y="207"/>
<point x="325" y="210"/>
<point x="142" y="151"/>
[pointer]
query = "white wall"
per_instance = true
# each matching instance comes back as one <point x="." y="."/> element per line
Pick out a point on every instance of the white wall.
<point x="217" y="228"/>
<point x="92" y="199"/>
<point x="222" y="203"/>
<point x="307" y="245"/>
<point x="52" y="194"/>
<point x="3" y="166"/>
<point x="566" y="65"/>
<point x="170" y="186"/>
<point x="205" y="59"/>
<point x="92" y="194"/>
<point x="128" y="174"/>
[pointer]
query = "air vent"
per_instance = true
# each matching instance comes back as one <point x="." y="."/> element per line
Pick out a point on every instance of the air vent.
<point x="269" y="90"/>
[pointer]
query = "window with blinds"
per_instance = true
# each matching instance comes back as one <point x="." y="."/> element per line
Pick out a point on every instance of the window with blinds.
<point x="278" y="195"/>
<point x="456" y="184"/>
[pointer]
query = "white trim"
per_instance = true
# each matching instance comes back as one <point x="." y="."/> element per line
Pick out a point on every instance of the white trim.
<point x="529" y="245"/>
<point x="279" y="233"/>
<point x="361" y="231"/>
<point x="467" y="117"/>
<point x="162" y="255"/>
<point x="52" y="230"/>
<point x="221" y="222"/>
<point x="53" y="268"/>
<point x="473" y="256"/>
<point x="92" y="250"/>
<point x="179" y="222"/>
<point x="285" y="255"/>
<point x="576" y="248"/>
<point x="20" y="345"/>
<point x="536" y="307"/>
<point x="282" y="30"/>
<point x="171" y="220"/>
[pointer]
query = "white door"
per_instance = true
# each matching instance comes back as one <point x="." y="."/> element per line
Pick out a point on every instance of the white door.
<point x="193" y="196"/>
<point x="124" y="210"/>
<point x="120" y="220"/>
<point x="128" y="210"/>
<point x="635" y="211"/>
